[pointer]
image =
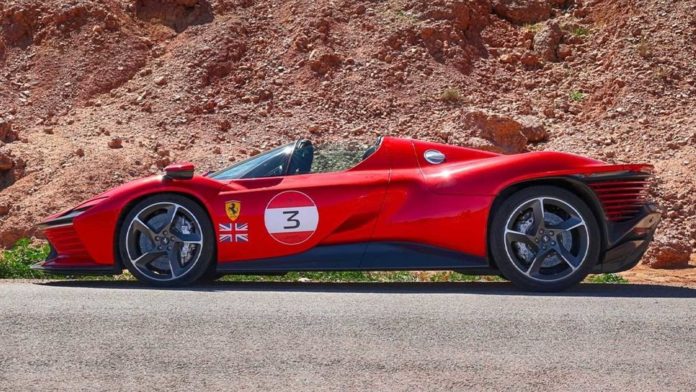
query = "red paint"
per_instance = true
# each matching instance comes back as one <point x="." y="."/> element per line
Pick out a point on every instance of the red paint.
<point x="394" y="195"/>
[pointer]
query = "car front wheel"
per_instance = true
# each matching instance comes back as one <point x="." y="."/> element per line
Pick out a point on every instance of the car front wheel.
<point x="544" y="238"/>
<point x="166" y="240"/>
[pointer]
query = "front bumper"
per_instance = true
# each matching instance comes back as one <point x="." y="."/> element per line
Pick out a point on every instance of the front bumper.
<point x="68" y="255"/>
<point x="627" y="241"/>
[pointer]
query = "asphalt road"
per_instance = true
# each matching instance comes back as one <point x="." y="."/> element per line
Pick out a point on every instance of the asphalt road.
<point x="265" y="336"/>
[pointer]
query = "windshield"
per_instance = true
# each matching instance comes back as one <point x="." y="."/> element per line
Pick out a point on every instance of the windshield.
<point x="269" y="164"/>
<point x="300" y="157"/>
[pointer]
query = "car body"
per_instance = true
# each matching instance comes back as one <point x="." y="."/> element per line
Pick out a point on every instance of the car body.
<point x="408" y="205"/>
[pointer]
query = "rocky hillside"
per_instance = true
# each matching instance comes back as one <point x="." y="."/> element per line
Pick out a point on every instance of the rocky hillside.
<point x="97" y="92"/>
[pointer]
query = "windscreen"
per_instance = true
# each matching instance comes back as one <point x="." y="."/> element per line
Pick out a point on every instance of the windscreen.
<point x="269" y="164"/>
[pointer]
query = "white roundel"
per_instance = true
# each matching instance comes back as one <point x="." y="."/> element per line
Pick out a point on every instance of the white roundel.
<point x="291" y="217"/>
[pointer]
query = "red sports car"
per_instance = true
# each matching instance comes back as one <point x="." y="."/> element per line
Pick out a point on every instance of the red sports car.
<point x="544" y="220"/>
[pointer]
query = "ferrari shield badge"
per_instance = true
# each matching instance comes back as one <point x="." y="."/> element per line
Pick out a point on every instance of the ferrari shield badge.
<point x="232" y="209"/>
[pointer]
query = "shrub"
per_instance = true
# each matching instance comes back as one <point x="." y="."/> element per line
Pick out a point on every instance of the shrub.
<point x="533" y="27"/>
<point x="581" y="31"/>
<point x="606" y="278"/>
<point x="450" y="94"/>
<point x="644" y="48"/>
<point x="16" y="262"/>
<point x="576" y="95"/>
<point x="365" y="276"/>
<point x="406" y="17"/>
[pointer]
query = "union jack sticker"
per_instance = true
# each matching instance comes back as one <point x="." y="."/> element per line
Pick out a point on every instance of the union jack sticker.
<point x="233" y="232"/>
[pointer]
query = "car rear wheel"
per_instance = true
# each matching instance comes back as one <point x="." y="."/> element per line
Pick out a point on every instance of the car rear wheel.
<point x="166" y="240"/>
<point x="544" y="238"/>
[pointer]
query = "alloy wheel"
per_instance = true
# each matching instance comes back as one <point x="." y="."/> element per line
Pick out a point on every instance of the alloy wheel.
<point x="546" y="239"/>
<point x="164" y="241"/>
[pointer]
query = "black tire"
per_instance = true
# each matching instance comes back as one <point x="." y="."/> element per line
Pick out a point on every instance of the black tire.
<point x="167" y="240"/>
<point x="535" y="257"/>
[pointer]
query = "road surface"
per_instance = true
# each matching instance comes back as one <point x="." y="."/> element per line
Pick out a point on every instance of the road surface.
<point x="303" y="336"/>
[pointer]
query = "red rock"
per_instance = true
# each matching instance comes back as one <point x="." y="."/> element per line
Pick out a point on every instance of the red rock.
<point x="669" y="255"/>
<point x="564" y="52"/>
<point x="503" y="131"/>
<point x="546" y="41"/>
<point x="116" y="142"/>
<point x="523" y="11"/>
<point x="6" y="162"/>
<point x="7" y="135"/>
<point x="322" y="62"/>
<point x="224" y="125"/>
<point x="530" y="60"/>
<point x="509" y="58"/>
<point x="533" y="129"/>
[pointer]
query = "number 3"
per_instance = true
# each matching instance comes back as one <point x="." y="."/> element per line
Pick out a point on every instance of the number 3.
<point x="291" y="219"/>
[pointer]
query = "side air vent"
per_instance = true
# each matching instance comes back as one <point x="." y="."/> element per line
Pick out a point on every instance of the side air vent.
<point x="622" y="197"/>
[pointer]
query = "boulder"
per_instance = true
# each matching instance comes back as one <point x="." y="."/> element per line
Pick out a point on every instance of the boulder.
<point x="116" y="142"/>
<point x="523" y="11"/>
<point x="546" y="41"/>
<point x="564" y="51"/>
<point x="533" y="129"/>
<point x="322" y="62"/>
<point x="6" y="162"/>
<point x="664" y="255"/>
<point x="503" y="131"/>
<point x="7" y="135"/>
<point x="530" y="60"/>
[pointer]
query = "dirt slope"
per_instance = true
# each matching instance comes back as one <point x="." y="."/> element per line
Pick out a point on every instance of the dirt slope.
<point x="94" y="93"/>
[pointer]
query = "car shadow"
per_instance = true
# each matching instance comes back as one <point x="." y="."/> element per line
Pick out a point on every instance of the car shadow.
<point x="486" y="288"/>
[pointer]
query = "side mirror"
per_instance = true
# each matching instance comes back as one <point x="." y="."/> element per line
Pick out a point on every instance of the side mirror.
<point x="179" y="171"/>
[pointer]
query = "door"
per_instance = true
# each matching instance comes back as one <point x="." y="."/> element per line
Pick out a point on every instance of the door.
<point x="260" y="218"/>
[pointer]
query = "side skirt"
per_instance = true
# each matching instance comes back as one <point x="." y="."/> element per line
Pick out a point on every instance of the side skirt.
<point x="374" y="256"/>
<point x="86" y="270"/>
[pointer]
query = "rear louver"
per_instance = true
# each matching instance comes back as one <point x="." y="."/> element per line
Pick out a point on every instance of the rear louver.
<point x="622" y="198"/>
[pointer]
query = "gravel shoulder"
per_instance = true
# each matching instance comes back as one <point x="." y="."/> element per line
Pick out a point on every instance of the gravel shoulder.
<point x="305" y="336"/>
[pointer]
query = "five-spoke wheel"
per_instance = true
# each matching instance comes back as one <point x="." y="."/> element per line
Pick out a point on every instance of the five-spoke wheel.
<point x="166" y="240"/>
<point x="544" y="238"/>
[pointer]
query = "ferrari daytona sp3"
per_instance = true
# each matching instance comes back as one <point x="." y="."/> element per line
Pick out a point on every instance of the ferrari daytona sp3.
<point x="544" y="220"/>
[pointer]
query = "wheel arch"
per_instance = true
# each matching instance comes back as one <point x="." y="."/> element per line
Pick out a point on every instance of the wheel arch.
<point x="129" y="206"/>
<point x="573" y="185"/>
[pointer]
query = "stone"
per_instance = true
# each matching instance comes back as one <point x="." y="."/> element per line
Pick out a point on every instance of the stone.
<point x="669" y="255"/>
<point x="509" y="58"/>
<point x="546" y="41"/>
<point x="564" y="52"/>
<point x="530" y="60"/>
<point x="503" y="131"/>
<point x="322" y="62"/>
<point x="6" y="162"/>
<point x="7" y="135"/>
<point x="522" y="11"/>
<point x="224" y="125"/>
<point x="116" y="142"/>
<point x="533" y="129"/>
